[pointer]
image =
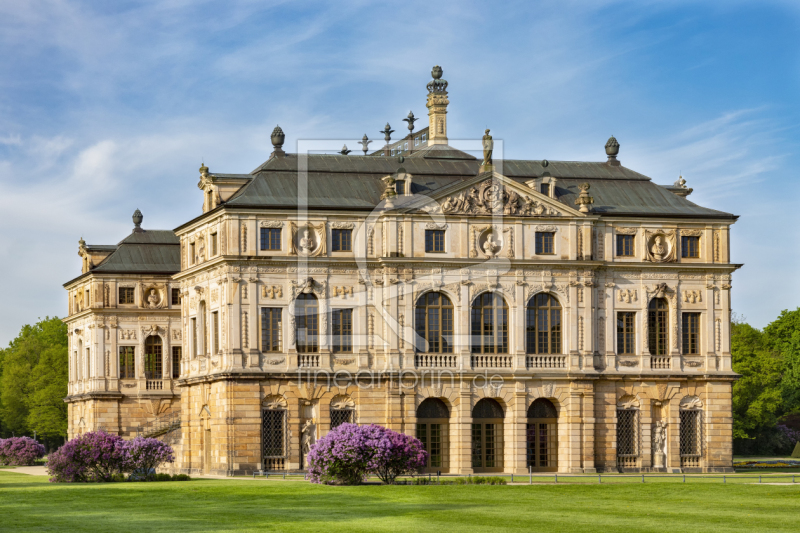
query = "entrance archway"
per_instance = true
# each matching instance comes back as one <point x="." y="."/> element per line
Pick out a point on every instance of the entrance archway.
<point x="433" y="430"/>
<point x="487" y="436"/>
<point x="542" y="436"/>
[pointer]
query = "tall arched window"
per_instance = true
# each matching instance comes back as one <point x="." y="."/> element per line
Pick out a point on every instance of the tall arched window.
<point x="306" y="312"/>
<point x="489" y="324"/>
<point x="152" y="357"/>
<point x="433" y="430"/>
<point x="657" y="326"/>
<point x="542" y="436"/>
<point x="487" y="436"/>
<point x="543" y="326"/>
<point x="273" y="433"/>
<point x="434" y="323"/>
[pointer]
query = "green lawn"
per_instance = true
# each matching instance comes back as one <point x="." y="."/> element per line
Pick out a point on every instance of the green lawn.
<point x="31" y="503"/>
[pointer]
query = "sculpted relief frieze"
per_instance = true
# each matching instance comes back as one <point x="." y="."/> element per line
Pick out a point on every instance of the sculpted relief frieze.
<point x="492" y="198"/>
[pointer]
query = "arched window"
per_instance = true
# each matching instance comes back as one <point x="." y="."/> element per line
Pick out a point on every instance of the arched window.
<point x="657" y="326"/>
<point x="542" y="436"/>
<point x="487" y="436"/>
<point x="273" y="433"/>
<point x="433" y="430"/>
<point x="434" y="323"/>
<point x="543" y="326"/>
<point x="152" y="357"/>
<point x="306" y="311"/>
<point x="691" y="432"/>
<point x="343" y="410"/>
<point x="489" y="324"/>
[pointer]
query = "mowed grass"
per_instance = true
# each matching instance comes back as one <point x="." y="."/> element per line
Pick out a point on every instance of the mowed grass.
<point x="31" y="503"/>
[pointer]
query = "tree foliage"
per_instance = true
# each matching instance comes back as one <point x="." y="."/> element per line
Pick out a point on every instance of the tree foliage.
<point x="33" y="382"/>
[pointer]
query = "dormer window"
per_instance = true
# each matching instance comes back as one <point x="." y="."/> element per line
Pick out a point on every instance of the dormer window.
<point x="545" y="185"/>
<point x="400" y="186"/>
<point x="544" y="188"/>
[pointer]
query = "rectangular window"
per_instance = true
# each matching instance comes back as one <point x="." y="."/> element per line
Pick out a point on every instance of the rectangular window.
<point x="392" y="151"/>
<point x="400" y="186"/>
<point x="690" y="247"/>
<point x="271" y="330"/>
<point x="271" y="239"/>
<point x="176" y="297"/>
<point x="544" y="188"/>
<point x="215" y="330"/>
<point x="341" y="416"/>
<point x="416" y="141"/>
<point x="342" y="330"/>
<point x="213" y="244"/>
<point x="126" y="362"/>
<point x="691" y="432"/>
<point x="342" y="240"/>
<point x="627" y="437"/>
<point x="191" y="254"/>
<point x="126" y="295"/>
<point x="405" y="146"/>
<point x="626" y="333"/>
<point x="176" y="362"/>
<point x="691" y="333"/>
<point x="424" y="137"/>
<point x="545" y="243"/>
<point x="624" y="245"/>
<point x="194" y="337"/>
<point x="434" y="240"/>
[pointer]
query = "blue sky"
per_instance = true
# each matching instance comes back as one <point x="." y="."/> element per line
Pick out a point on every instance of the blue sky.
<point x="111" y="106"/>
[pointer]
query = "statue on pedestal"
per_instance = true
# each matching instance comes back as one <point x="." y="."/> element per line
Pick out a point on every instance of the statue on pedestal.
<point x="488" y="147"/>
<point x="659" y="443"/>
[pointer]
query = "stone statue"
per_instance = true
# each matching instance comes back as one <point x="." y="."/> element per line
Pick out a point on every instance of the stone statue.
<point x="659" y="248"/>
<point x="309" y="436"/>
<point x="488" y="146"/>
<point x="153" y="299"/>
<point x="490" y="248"/>
<point x="306" y="243"/>
<point x="659" y="441"/>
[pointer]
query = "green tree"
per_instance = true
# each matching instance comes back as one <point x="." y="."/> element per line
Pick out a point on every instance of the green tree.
<point x="33" y="382"/>
<point x="783" y="335"/>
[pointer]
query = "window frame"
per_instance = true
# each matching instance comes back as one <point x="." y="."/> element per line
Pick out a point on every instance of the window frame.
<point x="266" y="236"/>
<point x="622" y="245"/>
<point x="309" y="321"/>
<point x="271" y="329"/>
<point x="214" y="247"/>
<point x="432" y="241"/>
<point x="442" y="315"/>
<point x="175" y="297"/>
<point x="541" y="241"/>
<point x="127" y="362"/>
<point x="130" y="291"/>
<point x="690" y="333"/>
<point x="535" y="315"/>
<point x="215" y="331"/>
<point x="658" y="327"/>
<point x="177" y="355"/>
<point x="340" y="237"/>
<point x="153" y="360"/>
<point x="342" y="330"/>
<point x="626" y="332"/>
<point x="690" y="247"/>
<point x="489" y="309"/>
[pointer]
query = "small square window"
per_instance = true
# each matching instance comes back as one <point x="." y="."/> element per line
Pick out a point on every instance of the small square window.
<point x="126" y="295"/>
<point x="176" y="297"/>
<point x="271" y="239"/>
<point x="624" y="245"/>
<point x="544" y="188"/>
<point x="545" y="243"/>
<point x="690" y="247"/>
<point x="342" y="240"/>
<point x="213" y="244"/>
<point x="434" y="240"/>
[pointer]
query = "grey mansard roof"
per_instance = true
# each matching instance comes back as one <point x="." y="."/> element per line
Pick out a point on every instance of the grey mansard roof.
<point x="354" y="182"/>
<point x="150" y="251"/>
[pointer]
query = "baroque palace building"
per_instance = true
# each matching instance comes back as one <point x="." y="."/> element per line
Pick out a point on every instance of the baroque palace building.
<point x="514" y="315"/>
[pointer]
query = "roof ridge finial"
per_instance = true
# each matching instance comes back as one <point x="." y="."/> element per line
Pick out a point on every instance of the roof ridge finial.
<point x="277" y="139"/>
<point x="364" y="142"/>
<point x="137" y="221"/>
<point x="612" y="150"/>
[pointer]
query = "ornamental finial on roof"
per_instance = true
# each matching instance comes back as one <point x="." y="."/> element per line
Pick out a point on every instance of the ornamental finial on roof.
<point x="277" y="139"/>
<point x="612" y="150"/>
<point x="387" y="134"/>
<point x="583" y="199"/>
<point x="437" y="84"/>
<point x="364" y="142"/>
<point x="411" y="120"/>
<point x="137" y="221"/>
<point x="344" y="150"/>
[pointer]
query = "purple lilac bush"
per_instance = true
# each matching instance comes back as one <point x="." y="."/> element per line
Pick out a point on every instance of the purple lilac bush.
<point x="20" y="451"/>
<point x="99" y="456"/>
<point x="146" y="454"/>
<point x="789" y="434"/>
<point x="349" y="453"/>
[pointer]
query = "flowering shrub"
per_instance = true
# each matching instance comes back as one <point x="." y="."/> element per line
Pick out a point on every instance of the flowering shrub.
<point x="146" y="454"/>
<point x="20" y="451"/>
<point x="393" y="454"/>
<point x="99" y="456"/>
<point x="349" y="453"/>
